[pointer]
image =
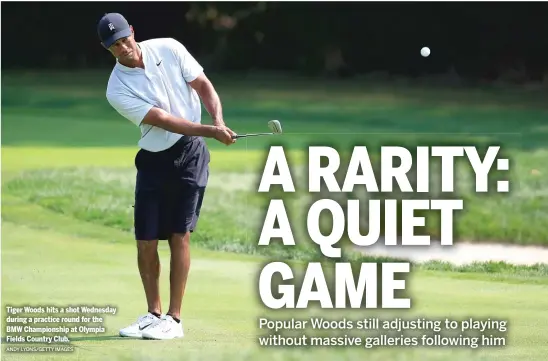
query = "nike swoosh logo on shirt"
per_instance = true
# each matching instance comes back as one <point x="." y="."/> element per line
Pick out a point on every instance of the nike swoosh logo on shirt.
<point x="159" y="63"/>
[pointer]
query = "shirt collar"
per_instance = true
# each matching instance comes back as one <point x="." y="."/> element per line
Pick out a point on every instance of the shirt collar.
<point x="127" y="69"/>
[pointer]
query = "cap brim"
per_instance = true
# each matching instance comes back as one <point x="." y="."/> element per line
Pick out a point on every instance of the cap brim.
<point x="121" y="34"/>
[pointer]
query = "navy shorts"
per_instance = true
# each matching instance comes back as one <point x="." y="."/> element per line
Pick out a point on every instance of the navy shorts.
<point x="170" y="188"/>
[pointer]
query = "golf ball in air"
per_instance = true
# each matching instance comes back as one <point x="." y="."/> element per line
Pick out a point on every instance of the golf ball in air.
<point x="425" y="51"/>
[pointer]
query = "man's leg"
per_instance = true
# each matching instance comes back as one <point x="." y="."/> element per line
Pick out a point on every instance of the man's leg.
<point x="187" y="189"/>
<point x="149" y="269"/>
<point x="147" y="225"/>
<point x="185" y="217"/>
<point x="179" y="245"/>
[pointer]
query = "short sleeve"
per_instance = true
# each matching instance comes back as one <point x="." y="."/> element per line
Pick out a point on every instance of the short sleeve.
<point x="130" y="107"/>
<point x="190" y="67"/>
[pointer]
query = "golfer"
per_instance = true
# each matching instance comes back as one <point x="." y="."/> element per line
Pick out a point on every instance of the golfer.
<point x="157" y="85"/>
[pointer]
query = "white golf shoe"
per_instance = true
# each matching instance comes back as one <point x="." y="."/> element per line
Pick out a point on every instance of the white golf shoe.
<point x="136" y="329"/>
<point x="166" y="329"/>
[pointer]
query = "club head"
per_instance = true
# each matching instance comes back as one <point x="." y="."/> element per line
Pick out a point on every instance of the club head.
<point x="275" y="126"/>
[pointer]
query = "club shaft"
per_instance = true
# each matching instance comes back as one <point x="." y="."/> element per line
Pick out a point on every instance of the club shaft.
<point x="251" y="135"/>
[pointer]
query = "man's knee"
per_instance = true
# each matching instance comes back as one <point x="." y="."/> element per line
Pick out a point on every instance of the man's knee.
<point x="180" y="239"/>
<point x="147" y="248"/>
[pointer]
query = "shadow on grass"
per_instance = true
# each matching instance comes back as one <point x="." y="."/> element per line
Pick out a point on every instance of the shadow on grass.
<point x="102" y="338"/>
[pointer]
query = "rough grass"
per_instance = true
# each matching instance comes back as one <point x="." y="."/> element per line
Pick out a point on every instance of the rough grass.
<point x="231" y="220"/>
<point x="105" y="195"/>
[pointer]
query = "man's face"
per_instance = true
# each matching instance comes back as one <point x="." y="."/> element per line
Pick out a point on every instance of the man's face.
<point x="124" y="49"/>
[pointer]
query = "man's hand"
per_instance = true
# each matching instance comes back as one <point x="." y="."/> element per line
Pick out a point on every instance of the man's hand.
<point x="224" y="135"/>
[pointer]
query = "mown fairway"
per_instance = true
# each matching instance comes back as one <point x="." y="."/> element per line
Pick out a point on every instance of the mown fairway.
<point x="67" y="183"/>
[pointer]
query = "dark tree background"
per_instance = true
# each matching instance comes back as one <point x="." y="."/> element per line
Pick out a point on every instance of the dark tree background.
<point x="477" y="40"/>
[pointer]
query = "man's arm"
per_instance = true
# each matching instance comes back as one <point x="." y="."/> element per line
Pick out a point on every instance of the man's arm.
<point x="210" y="98"/>
<point x="193" y="74"/>
<point x="140" y="112"/>
<point x="162" y="119"/>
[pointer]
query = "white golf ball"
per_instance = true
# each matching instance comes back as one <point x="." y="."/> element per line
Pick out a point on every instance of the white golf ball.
<point x="425" y="51"/>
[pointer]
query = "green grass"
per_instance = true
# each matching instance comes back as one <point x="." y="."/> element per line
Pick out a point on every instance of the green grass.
<point x="105" y="195"/>
<point x="340" y="115"/>
<point x="380" y="113"/>
<point x="67" y="183"/>
<point x="221" y="309"/>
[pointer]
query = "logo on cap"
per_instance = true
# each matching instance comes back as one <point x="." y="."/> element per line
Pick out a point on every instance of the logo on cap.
<point x="112" y="27"/>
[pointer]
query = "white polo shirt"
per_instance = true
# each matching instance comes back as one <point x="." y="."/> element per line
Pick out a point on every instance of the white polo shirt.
<point x="163" y="83"/>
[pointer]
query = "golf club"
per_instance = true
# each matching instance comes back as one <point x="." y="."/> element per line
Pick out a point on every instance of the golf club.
<point x="274" y="126"/>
